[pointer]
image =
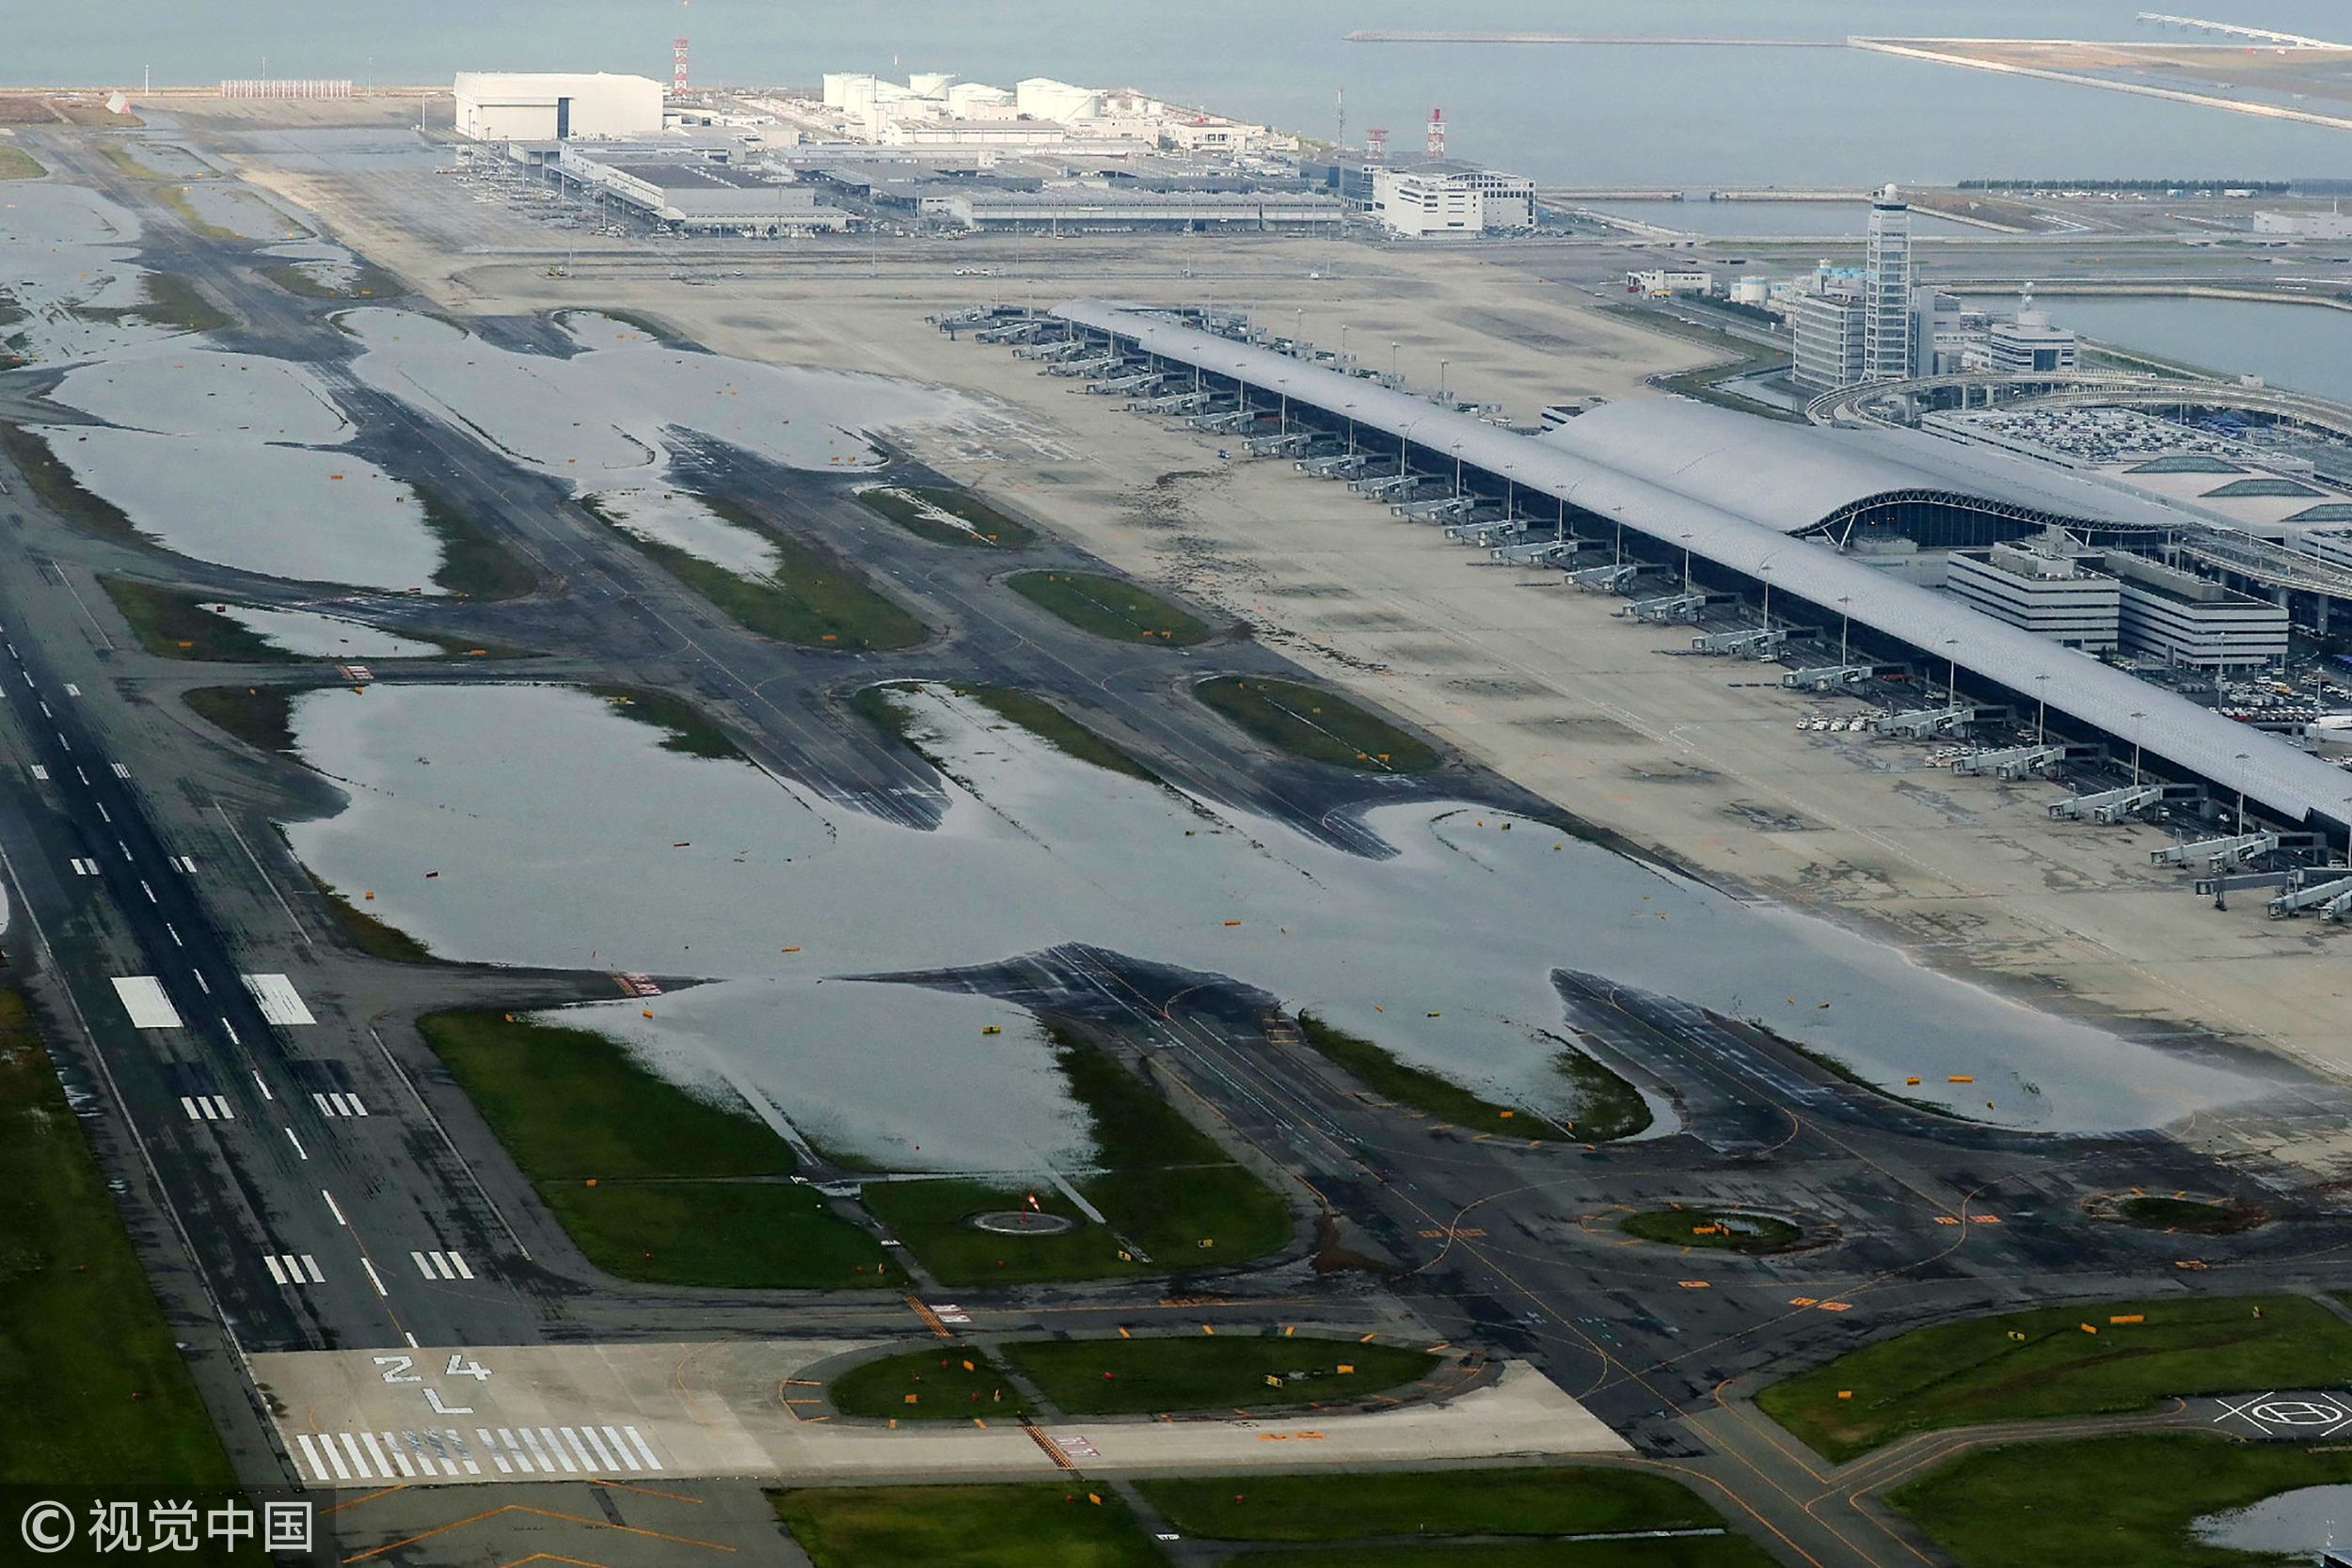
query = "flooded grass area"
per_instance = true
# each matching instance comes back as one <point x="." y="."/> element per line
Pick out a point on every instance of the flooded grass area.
<point x="647" y="1176"/>
<point x="682" y="520"/>
<point x="813" y="600"/>
<point x="1315" y="724"/>
<point x="2041" y="1363"/>
<point x="1604" y="1106"/>
<point x="685" y="729"/>
<point x="368" y="934"/>
<point x="2132" y="1500"/>
<point x="166" y="301"/>
<point x="1441" y="951"/>
<point x="325" y="279"/>
<point x="172" y="623"/>
<point x="1048" y="721"/>
<point x="1169" y="1198"/>
<point x="1162" y="1374"/>
<point x="1110" y="607"/>
<point x="948" y="516"/>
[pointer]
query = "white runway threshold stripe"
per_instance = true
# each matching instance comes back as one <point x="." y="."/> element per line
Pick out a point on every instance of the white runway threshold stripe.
<point x="565" y="1450"/>
<point x="279" y="1000"/>
<point x="143" y="998"/>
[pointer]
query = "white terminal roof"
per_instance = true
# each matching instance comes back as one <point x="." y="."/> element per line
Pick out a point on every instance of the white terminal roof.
<point x="1743" y="524"/>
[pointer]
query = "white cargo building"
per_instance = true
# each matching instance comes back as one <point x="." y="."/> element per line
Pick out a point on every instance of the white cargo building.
<point x="545" y="105"/>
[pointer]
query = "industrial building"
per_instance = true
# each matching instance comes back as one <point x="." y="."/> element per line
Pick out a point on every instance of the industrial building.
<point x="535" y="106"/>
<point x="1731" y="500"/>
<point x="2026" y="343"/>
<point x="935" y="109"/>
<point x="2049" y="594"/>
<point x="696" y="195"/>
<point x="1443" y="197"/>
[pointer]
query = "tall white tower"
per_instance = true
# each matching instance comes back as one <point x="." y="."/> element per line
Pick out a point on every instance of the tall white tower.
<point x="1886" y="289"/>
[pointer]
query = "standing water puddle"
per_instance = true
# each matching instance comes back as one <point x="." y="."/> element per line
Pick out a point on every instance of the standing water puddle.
<point x="2302" y="1522"/>
<point x="563" y="834"/>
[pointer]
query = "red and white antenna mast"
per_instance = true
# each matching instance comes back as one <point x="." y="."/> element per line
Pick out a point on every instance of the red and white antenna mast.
<point x="1436" y="133"/>
<point x="1376" y="145"/>
<point x="677" y="65"/>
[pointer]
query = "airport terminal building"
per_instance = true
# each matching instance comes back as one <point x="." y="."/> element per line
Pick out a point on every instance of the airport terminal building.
<point x="1744" y="500"/>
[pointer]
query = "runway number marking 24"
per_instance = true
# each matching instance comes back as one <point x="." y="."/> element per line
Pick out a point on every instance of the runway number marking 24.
<point x="396" y="1370"/>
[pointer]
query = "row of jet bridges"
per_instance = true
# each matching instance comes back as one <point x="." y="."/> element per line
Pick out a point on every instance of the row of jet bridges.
<point x="2240" y="862"/>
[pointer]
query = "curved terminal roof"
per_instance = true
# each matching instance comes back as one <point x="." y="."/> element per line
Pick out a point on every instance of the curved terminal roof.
<point x="2288" y="782"/>
<point x="1795" y="478"/>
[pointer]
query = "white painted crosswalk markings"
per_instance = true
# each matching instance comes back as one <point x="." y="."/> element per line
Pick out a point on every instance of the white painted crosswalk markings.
<point x="40" y="772"/>
<point x="441" y="1266"/>
<point x="120" y="771"/>
<point x="339" y="1104"/>
<point x="85" y="867"/>
<point x="437" y="1452"/>
<point x="207" y="1107"/>
<point x="279" y="1000"/>
<point x="288" y="1267"/>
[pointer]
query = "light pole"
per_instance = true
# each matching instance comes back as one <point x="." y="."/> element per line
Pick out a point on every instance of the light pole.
<point x="1686" y="563"/>
<point x="1457" y="468"/>
<point x="1845" y="628"/>
<point x="2241" y="792"/>
<point x="1351" y="430"/>
<point x="2136" y="717"/>
<point x="1342" y="342"/>
<point x="1442" y="366"/>
<point x="1283" y="384"/>
<point x="2040" y="707"/>
<point x="1951" y="669"/>
<point x="1510" y="490"/>
<point x="1394" y="346"/>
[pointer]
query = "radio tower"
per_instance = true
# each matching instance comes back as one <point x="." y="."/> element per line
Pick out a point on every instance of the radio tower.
<point x="1376" y="146"/>
<point x="677" y="66"/>
<point x="1436" y="133"/>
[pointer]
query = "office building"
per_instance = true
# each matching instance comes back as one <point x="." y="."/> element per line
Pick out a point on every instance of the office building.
<point x="1829" y="340"/>
<point x="2184" y="619"/>
<point x="2048" y="592"/>
<point x="2026" y="343"/>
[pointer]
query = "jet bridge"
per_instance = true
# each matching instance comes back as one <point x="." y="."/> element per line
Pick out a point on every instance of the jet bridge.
<point x="1604" y="580"/>
<point x="1485" y="533"/>
<point x="2012" y="762"/>
<point x="2332" y="896"/>
<point x="1668" y="606"/>
<point x="1435" y="510"/>
<point x="2113" y="805"/>
<point x="1822" y="677"/>
<point x="1921" y="723"/>
<point x="1536" y="553"/>
<point x="2215" y="853"/>
<point x="1113" y="386"/>
<point x="1756" y="643"/>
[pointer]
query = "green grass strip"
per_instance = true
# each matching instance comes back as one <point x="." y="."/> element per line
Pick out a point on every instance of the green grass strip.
<point x="1111" y="606"/>
<point x="1073" y="1524"/>
<point x="1688" y="1551"/>
<point x="173" y="624"/>
<point x="685" y="728"/>
<point x="1562" y="1500"/>
<point x="17" y="164"/>
<point x="93" y="1391"/>
<point x="1210" y="1371"/>
<point x="1048" y="721"/>
<point x="938" y="1383"/>
<point x="2117" y="1502"/>
<point x="2041" y="1363"/>
<point x="1720" y="1230"/>
<point x="1317" y="725"/>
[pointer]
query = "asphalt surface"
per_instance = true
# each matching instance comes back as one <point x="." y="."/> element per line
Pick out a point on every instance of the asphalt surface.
<point x="1474" y="1237"/>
